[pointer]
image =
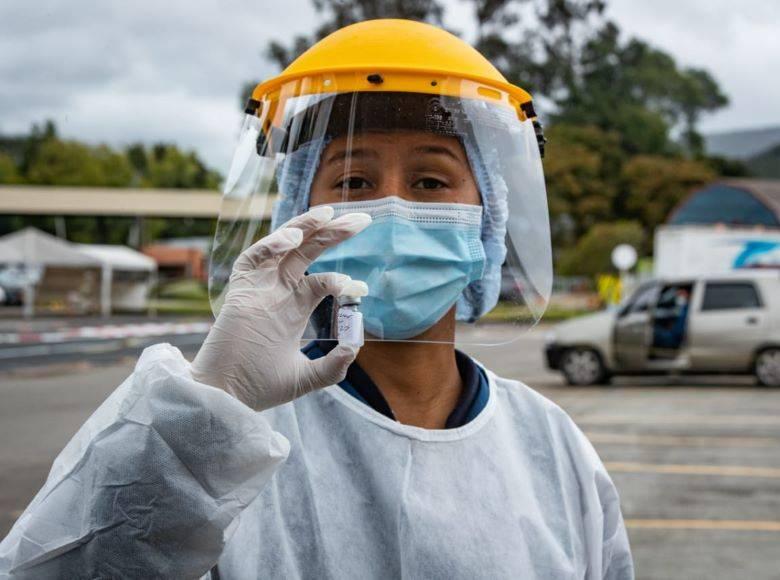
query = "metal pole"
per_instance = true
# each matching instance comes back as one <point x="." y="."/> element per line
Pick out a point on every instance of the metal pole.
<point x="60" y="227"/>
<point x="622" y="286"/>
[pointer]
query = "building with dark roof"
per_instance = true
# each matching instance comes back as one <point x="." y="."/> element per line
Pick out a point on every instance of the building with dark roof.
<point x="731" y="202"/>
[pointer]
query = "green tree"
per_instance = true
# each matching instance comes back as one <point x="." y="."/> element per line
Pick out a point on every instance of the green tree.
<point x="37" y="137"/>
<point x="654" y="185"/>
<point x="568" y="52"/>
<point x="136" y="155"/>
<point x="727" y="167"/>
<point x="581" y="171"/>
<point x="536" y="43"/>
<point x="9" y="173"/>
<point x="622" y="88"/>
<point x="169" y="167"/>
<point x="166" y="166"/>
<point x="71" y="163"/>
<point x="636" y="90"/>
<point x="592" y="254"/>
<point x="115" y="167"/>
<point x="696" y="93"/>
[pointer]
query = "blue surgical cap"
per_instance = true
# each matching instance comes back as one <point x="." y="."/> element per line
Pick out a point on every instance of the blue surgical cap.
<point x="297" y="173"/>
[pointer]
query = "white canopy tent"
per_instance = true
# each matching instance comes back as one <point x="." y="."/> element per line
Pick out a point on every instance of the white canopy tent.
<point x="130" y="293"/>
<point x="37" y="248"/>
<point x="35" y="251"/>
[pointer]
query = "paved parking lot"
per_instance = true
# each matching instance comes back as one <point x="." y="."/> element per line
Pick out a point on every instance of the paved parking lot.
<point x="697" y="461"/>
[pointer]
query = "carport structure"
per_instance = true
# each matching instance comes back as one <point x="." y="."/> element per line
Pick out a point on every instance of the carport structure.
<point x="138" y="204"/>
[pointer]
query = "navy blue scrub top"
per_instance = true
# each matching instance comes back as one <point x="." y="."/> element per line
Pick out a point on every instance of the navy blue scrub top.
<point x="358" y="384"/>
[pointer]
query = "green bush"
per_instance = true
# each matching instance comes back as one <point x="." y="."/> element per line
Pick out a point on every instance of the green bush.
<point x="592" y="254"/>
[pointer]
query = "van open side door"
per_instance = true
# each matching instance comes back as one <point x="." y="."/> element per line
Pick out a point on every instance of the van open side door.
<point x="633" y="332"/>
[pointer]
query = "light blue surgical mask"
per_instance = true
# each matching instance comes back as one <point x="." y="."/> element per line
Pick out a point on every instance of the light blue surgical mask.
<point x="415" y="257"/>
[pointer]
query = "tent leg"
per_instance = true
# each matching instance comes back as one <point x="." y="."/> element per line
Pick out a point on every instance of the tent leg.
<point x="151" y="293"/>
<point x="28" y="296"/>
<point x="105" y="291"/>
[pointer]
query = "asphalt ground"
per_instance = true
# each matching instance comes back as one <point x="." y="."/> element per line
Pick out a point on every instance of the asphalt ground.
<point x="696" y="460"/>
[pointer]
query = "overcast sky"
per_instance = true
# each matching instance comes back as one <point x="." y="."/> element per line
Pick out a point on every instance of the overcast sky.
<point x="120" y="71"/>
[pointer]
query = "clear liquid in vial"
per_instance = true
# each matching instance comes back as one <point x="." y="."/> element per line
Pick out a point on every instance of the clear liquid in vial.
<point x="350" y="325"/>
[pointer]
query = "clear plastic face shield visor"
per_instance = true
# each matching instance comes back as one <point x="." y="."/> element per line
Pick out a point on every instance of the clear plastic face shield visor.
<point x="454" y="184"/>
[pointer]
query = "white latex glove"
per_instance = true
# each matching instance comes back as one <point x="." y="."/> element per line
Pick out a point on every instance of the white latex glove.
<point x="253" y="349"/>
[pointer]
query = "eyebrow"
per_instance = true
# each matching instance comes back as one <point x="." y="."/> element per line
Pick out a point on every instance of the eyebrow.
<point x="354" y="153"/>
<point x="436" y="150"/>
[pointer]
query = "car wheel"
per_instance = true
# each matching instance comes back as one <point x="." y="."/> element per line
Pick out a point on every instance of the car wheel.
<point x="767" y="367"/>
<point x="583" y="366"/>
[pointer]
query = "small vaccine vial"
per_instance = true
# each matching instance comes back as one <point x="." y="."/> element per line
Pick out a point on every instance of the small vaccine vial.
<point x="349" y="323"/>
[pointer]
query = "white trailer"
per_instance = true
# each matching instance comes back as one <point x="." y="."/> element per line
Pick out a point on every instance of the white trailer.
<point x="691" y="250"/>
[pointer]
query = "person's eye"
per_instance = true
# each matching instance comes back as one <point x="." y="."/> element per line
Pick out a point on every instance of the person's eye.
<point x="429" y="183"/>
<point x="353" y="182"/>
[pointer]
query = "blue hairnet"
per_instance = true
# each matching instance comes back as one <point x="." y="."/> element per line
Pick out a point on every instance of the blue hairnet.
<point x="297" y="173"/>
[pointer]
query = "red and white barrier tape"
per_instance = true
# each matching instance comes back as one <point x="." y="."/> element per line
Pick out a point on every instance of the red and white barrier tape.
<point x="108" y="331"/>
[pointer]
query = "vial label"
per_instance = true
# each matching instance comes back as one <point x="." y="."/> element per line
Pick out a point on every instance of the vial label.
<point x="350" y="327"/>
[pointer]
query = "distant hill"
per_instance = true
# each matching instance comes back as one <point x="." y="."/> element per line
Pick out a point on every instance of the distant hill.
<point x="742" y="144"/>
<point x="766" y="164"/>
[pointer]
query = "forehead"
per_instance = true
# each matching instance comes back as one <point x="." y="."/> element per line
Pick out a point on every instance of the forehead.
<point x="397" y="142"/>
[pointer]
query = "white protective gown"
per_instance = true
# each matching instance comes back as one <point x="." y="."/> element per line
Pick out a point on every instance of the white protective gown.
<point x="170" y="476"/>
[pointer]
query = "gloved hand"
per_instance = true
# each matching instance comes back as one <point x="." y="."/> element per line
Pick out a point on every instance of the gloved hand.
<point x="253" y="349"/>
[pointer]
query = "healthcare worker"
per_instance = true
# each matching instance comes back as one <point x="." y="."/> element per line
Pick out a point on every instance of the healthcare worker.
<point x="401" y="171"/>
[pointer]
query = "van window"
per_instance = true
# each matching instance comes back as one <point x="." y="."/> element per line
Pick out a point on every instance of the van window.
<point x="642" y="301"/>
<point x="730" y="295"/>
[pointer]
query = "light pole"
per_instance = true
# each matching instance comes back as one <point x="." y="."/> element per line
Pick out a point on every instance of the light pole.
<point x="623" y="258"/>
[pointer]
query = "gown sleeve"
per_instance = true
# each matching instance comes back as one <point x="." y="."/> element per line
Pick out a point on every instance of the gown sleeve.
<point x="150" y="485"/>
<point x="616" y="558"/>
<point x="608" y="550"/>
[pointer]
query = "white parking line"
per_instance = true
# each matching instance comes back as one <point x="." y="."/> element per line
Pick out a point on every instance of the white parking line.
<point x="733" y="525"/>
<point x="680" y="440"/>
<point x="683" y="469"/>
<point x="653" y="419"/>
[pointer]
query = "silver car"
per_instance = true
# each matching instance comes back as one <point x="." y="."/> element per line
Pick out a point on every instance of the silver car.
<point x="726" y="323"/>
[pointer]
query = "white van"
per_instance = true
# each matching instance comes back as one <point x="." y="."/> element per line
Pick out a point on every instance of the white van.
<point x="721" y="323"/>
